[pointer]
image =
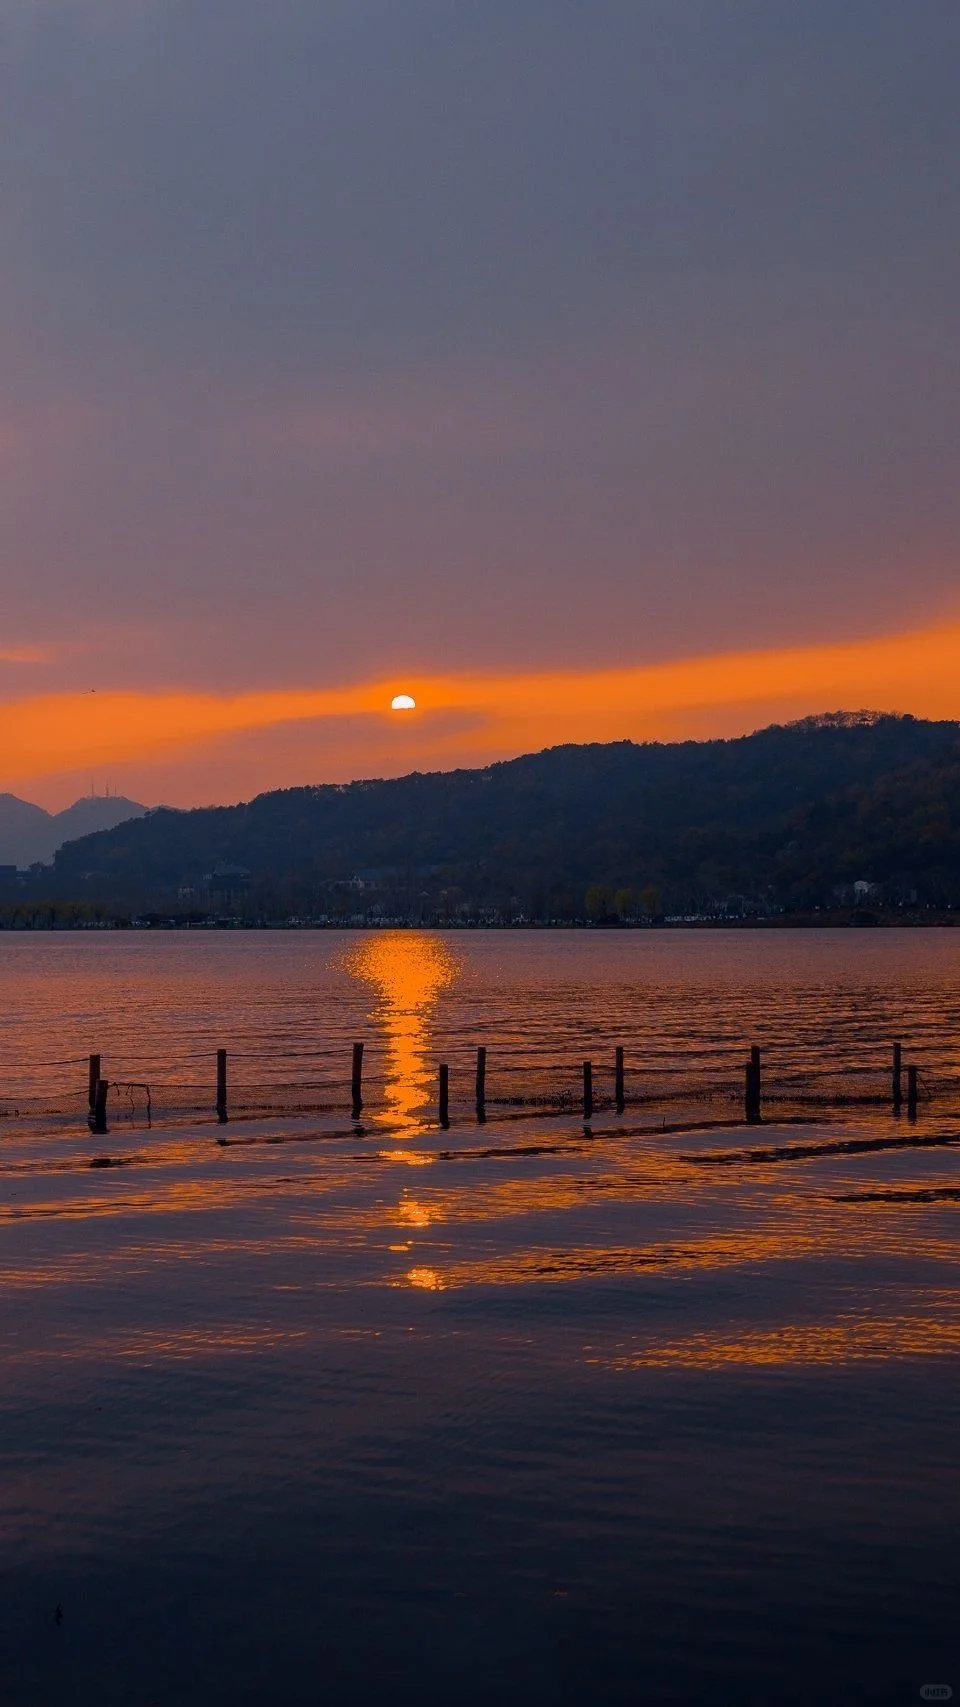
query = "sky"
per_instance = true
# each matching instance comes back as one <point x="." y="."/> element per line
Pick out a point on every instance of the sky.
<point x="588" y="370"/>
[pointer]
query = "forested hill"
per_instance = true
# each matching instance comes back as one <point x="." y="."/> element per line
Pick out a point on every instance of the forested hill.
<point x="790" y="816"/>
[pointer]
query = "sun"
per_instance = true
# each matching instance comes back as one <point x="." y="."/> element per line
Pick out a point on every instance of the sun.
<point x="403" y="702"/>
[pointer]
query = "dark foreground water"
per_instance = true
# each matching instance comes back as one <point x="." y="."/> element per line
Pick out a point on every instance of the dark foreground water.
<point x="519" y="1412"/>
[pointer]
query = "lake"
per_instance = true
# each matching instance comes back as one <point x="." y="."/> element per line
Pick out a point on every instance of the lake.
<point x="657" y="1409"/>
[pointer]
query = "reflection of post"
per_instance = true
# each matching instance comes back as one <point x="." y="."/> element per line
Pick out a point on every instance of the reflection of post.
<point x="619" y="1097"/>
<point x="587" y="1090"/>
<point x="444" y="1095"/>
<point x="356" y="1080"/>
<point x="100" y="1106"/>
<point x="912" y="1092"/>
<point x="481" y="1083"/>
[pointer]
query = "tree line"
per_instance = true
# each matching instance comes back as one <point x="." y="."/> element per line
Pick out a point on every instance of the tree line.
<point x="794" y="817"/>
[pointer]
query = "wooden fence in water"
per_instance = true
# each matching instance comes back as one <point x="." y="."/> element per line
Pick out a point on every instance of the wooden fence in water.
<point x="751" y="1094"/>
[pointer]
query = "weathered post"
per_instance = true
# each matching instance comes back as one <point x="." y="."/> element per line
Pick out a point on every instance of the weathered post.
<point x="222" y="1086"/>
<point x="356" y="1080"/>
<point x="619" y="1097"/>
<point x="587" y="1090"/>
<point x="93" y="1081"/>
<point x="752" y="1083"/>
<point x="897" y="1077"/>
<point x="481" y="1084"/>
<point x="444" y="1095"/>
<point x="99" y="1122"/>
<point x="912" y="1092"/>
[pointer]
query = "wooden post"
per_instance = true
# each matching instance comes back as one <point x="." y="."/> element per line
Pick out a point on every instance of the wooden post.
<point x="481" y="1083"/>
<point x="100" y="1106"/>
<point x="751" y="1098"/>
<point x="222" y="1086"/>
<point x="356" y="1080"/>
<point x="93" y="1081"/>
<point x="587" y="1090"/>
<point x="618" y="1080"/>
<point x="912" y="1093"/>
<point x="444" y="1095"/>
<point x="897" y="1077"/>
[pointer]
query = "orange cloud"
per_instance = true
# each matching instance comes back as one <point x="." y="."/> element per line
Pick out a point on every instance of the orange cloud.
<point x="469" y="718"/>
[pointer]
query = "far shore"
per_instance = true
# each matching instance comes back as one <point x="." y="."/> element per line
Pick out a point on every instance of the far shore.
<point x="833" y="920"/>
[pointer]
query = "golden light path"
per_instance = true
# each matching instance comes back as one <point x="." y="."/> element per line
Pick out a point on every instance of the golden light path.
<point x="471" y="718"/>
<point x="407" y="969"/>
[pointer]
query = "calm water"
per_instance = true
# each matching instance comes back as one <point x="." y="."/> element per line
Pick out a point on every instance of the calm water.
<point x="287" y="1006"/>
<point x="520" y="1412"/>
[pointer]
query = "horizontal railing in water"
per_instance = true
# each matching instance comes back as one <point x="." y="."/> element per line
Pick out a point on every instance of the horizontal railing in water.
<point x="587" y="1090"/>
<point x="488" y="1084"/>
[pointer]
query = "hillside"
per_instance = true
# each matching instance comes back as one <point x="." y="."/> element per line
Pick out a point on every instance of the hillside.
<point x="28" y="833"/>
<point x="790" y="816"/>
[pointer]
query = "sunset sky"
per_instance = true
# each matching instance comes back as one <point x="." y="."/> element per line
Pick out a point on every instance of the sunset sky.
<point x="588" y="370"/>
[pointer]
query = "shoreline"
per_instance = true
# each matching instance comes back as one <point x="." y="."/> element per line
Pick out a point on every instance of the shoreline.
<point x="942" y="919"/>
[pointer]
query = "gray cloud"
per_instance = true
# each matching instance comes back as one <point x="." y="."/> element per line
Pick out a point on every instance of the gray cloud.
<point x="523" y="330"/>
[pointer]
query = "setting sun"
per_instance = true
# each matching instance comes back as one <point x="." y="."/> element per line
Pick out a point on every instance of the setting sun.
<point x="403" y="702"/>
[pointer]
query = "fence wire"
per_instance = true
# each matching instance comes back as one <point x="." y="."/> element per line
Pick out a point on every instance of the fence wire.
<point x="321" y="1089"/>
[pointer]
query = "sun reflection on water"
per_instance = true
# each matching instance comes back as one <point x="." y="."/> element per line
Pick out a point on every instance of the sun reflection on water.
<point x="407" y="969"/>
<point x="412" y="1213"/>
<point x="849" y="1339"/>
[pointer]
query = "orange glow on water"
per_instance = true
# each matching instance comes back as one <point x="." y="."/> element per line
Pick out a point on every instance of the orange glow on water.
<point x="850" y="1339"/>
<point x="407" y="969"/>
<point x="413" y="1214"/>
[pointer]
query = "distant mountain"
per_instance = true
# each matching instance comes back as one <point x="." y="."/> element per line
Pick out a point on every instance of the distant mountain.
<point x="856" y="806"/>
<point x="23" y="827"/>
<point x="29" y="834"/>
